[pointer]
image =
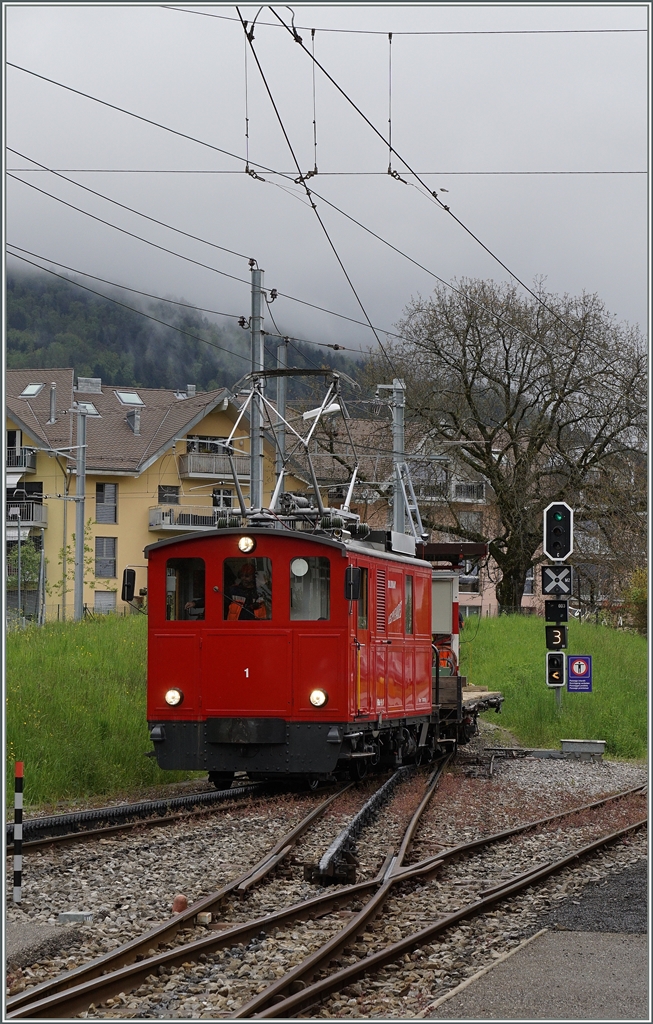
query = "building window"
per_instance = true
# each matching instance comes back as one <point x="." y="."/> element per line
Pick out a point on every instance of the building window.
<point x="129" y="398"/>
<point x="471" y="521"/>
<point x="168" y="495"/>
<point x="528" y="585"/>
<point x="105" y="602"/>
<point x="13" y="440"/>
<point x="198" y="445"/>
<point x="105" y="557"/>
<point x="184" y="588"/>
<point x="106" y="503"/>
<point x="247" y="588"/>
<point x="31" y="391"/>
<point x="470" y="492"/>
<point x="88" y="408"/>
<point x="223" y="497"/>
<point x="309" y="588"/>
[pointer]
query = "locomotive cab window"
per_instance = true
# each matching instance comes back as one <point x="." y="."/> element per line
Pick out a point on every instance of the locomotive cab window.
<point x="409" y="604"/>
<point x="310" y="588"/>
<point x="184" y="588"/>
<point x="362" y="602"/>
<point x="247" y="588"/>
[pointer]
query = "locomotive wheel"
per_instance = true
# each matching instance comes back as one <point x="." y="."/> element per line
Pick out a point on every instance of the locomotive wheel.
<point x="221" y="780"/>
<point x="358" y="768"/>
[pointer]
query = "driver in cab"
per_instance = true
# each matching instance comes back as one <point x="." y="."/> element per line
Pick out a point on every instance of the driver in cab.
<point x="244" y="601"/>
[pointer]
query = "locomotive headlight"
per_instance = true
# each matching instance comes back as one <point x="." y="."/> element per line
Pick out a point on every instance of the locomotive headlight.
<point x="246" y="544"/>
<point x="174" y="697"/>
<point x="318" y="698"/>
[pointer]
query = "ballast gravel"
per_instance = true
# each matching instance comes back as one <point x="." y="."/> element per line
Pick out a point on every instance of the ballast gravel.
<point x="129" y="883"/>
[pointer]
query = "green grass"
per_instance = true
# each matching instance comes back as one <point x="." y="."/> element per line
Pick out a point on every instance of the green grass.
<point x="508" y="654"/>
<point x="76" y="710"/>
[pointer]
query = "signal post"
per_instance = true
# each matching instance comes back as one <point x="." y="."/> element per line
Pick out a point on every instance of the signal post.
<point x="557" y="582"/>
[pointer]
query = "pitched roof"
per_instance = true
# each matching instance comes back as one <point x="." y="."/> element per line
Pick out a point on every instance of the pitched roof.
<point x="112" y="445"/>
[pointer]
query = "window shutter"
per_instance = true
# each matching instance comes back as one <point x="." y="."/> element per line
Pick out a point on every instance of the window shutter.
<point x="380" y="601"/>
<point x="106" y="501"/>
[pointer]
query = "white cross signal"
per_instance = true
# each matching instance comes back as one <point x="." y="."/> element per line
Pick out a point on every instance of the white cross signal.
<point x="556" y="579"/>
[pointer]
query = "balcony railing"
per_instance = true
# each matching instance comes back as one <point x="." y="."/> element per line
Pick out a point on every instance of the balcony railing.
<point x="21" y="458"/>
<point x="212" y="466"/>
<point x="30" y="513"/>
<point x="187" y="518"/>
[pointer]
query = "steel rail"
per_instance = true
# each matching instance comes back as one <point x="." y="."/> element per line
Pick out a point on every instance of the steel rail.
<point x="94" y="814"/>
<point x="138" y="947"/>
<point x="67" y="1001"/>
<point x="308" y="996"/>
<point x="326" y="952"/>
<point x="93" y="834"/>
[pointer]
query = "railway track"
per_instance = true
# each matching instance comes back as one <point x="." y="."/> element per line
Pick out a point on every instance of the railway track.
<point x="305" y="984"/>
<point x="39" y="833"/>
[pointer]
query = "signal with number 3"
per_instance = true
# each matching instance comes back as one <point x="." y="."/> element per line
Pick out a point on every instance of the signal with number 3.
<point x="556" y="637"/>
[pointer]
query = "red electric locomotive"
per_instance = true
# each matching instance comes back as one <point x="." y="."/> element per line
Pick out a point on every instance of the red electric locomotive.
<point x="291" y="641"/>
<point x="287" y="654"/>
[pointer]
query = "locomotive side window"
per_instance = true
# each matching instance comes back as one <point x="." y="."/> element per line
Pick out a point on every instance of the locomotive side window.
<point x="409" y="604"/>
<point x="362" y="601"/>
<point x="247" y="588"/>
<point x="184" y="588"/>
<point x="310" y="588"/>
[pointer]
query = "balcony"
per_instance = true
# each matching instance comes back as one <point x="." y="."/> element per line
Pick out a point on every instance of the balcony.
<point x="21" y="458"/>
<point x="30" y="513"/>
<point x="469" y="492"/>
<point x="189" y="518"/>
<point x="212" y="467"/>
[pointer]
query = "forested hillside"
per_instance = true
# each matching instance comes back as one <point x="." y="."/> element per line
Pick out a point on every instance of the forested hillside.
<point x="51" y="322"/>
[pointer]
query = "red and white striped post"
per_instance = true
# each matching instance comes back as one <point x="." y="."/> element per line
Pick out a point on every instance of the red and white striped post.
<point x="18" y="831"/>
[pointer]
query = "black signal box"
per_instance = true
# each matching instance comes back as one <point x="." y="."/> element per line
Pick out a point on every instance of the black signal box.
<point x="555" y="669"/>
<point x="556" y="637"/>
<point x="556" y="611"/>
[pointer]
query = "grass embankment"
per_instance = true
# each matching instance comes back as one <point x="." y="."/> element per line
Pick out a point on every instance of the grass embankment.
<point x="76" y="706"/>
<point x="508" y="654"/>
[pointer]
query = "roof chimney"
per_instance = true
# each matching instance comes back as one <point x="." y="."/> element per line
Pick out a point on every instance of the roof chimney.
<point x="190" y="390"/>
<point x="89" y="385"/>
<point x="134" y="420"/>
<point x="53" y="403"/>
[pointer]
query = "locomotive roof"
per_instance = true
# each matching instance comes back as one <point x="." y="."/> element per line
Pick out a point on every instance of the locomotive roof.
<point x="354" y="547"/>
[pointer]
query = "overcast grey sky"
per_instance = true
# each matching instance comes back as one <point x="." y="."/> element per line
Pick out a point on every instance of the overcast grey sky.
<point x="480" y="97"/>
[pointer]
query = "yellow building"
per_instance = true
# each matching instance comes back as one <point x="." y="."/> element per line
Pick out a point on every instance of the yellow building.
<point x="154" y="467"/>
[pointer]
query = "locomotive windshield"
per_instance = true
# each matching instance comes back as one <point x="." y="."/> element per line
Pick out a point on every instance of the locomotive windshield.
<point x="184" y="588"/>
<point x="309" y="588"/>
<point x="247" y="588"/>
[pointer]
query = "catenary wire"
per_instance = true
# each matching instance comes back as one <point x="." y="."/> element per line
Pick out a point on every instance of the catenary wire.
<point x="443" y="206"/>
<point x="124" y="287"/>
<point x="130" y="209"/>
<point x="308" y="193"/>
<point x="429" y="32"/>
<point x="131" y="234"/>
<point x="200" y="142"/>
<point x="288" y="174"/>
<point x="205" y="266"/>
<point x="134" y="309"/>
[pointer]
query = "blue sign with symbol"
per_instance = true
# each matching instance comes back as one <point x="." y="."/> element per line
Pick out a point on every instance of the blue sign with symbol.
<point x="579" y="673"/>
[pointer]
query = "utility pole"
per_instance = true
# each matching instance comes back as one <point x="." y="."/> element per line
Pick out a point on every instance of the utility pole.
<point x="80" y="494"/>
<point x="397" y="405"/>
<point x="256" y="419"/>
<point x="282" y="364"/>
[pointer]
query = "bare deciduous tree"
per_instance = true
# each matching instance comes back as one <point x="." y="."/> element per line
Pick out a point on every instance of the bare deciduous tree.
<point x="538" y="397"/>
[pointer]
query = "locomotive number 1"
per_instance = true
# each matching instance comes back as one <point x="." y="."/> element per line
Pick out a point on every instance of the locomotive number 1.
<point x="246" y="673"/>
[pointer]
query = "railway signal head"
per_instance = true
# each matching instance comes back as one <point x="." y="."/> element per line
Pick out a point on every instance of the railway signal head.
<point x="558" y="531"/>
<point x="555" y="668"/>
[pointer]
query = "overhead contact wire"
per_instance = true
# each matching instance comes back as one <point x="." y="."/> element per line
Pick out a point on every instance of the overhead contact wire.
<point x="297" y="38"/>
<point x="308" y="193"/>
